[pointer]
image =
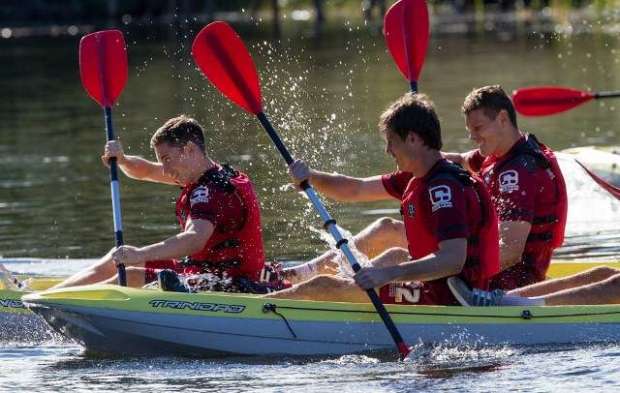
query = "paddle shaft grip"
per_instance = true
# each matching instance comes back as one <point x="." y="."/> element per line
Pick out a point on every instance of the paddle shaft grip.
<point x="341" y="242"/>
<point x="607" y="94"/>
<point x="116" y="196"/>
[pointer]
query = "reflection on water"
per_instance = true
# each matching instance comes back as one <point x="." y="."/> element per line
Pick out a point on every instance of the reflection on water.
<point x="65" y="368"/>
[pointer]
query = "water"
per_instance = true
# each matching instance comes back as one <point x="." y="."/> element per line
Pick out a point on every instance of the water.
<point x="324" y="96"/>
<point x="52" y="367"/>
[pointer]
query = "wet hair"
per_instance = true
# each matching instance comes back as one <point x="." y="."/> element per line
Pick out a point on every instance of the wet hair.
<point x="413" y="113"/>
<point x="178" y="131"/>
<point x="491" y="99"/>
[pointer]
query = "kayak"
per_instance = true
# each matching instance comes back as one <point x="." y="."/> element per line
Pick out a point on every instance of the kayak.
<point x="14" y="313"/>
<point x="602" y="160"/>
<point x="118" y="320"/>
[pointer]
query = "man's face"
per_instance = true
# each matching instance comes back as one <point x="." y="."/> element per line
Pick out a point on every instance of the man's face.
<point x="483" y="130"/>
<point x="175" y="160"/>
<point x="401" y="150"/>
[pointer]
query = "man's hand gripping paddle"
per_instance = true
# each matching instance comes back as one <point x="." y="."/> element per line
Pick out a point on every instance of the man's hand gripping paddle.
<point x="103" y="69"/>
<point x="224" y="60"/>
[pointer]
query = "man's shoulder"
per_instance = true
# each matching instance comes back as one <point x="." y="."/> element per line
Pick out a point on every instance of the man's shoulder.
<point x="200" y="194"/>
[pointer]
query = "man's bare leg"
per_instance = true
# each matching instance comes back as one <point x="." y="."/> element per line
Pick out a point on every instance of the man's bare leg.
<point x="324" y="288"/>
<point x="380" y="235"/>
<point x="587" y="277"/>
<point x="606" y="291"/>
<point x="102" y="270"/>
<point x="135" y="277"/>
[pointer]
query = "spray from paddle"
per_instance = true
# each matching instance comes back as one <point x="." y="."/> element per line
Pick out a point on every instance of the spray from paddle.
<point x="223" y="58"/>
<point x="344" y="267"/>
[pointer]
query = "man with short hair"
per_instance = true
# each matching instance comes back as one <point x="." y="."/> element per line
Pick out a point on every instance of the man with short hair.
<point x="523" y="178"/>
<point x="218" y="212"/>
<point x="450" y="224"/>
<point x="525" y="183"/>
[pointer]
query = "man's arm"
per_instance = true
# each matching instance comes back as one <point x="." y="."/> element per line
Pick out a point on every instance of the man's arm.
<point x="512" y="238"/>
<point x="447" y="261"/>
<point x="463" y="159"/>
<point x="188" y="242"/>
<point x="135" y="167"/>
<point x="340" y="187"/>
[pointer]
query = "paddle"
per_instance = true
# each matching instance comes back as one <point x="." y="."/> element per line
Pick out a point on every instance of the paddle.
<point x="549" y="100"/>
<point x="103" y="69"/>
<point x="223" y="58"/>
<point x="406" y="30"/>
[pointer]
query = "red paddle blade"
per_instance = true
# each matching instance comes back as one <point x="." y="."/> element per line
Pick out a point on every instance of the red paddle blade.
<point x="103" y="65"/>
<point x="548" y="100"/>
<point x="406" y="30"/>
<point x="225" y="61"/>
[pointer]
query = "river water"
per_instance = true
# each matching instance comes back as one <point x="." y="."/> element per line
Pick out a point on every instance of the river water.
<point x="324" y="96"/>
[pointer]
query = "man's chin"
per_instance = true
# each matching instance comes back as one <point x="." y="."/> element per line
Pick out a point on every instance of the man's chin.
<point x="484" y="151"/>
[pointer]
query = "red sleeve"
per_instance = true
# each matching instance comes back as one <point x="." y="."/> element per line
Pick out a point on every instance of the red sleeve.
<point x="517" y="189"/>
<point x="395" y="183"/>
<point x="448" y="218"/>
<point x="223" y="209"/>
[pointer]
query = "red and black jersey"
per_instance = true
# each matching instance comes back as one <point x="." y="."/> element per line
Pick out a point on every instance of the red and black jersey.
<point x="526" y="184"/>
<point x="227" y="199"/>
<point x="447" y="203"/>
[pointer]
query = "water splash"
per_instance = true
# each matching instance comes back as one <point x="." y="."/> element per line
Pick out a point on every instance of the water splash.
<point x="344" y="266"/>
<point x="593" y="216"/>
<point x="466" y="355"/>
<point x="590" y="206"/>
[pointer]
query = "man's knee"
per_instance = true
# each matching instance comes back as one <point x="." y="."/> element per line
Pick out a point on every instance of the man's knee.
<point x="326" y="282"/>
<point x="389" y="224"/>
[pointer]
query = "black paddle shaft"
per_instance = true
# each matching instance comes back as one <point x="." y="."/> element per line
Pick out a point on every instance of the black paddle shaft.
<point x="116" y="200"/>
<point x="341" y="243"/>
<point x="607" y="94"/>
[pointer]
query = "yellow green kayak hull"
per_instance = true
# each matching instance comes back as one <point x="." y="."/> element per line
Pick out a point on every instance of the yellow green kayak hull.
<point x="118" y="320"/>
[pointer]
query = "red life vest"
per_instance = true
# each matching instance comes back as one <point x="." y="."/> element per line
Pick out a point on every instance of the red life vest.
<point x="239" y="252"/>
<point x="549" y="221"/>
<point x="483" y="243"/>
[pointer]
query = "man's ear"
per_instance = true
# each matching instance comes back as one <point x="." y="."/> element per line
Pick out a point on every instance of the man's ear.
<point x="503" y="116"/>
<point x="188" y="148"/>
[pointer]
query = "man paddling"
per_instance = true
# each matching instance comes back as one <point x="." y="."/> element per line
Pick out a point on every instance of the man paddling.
<point x="525" y="183"/>
<point x="523" y="177"/>
<point x="450" y="224"/>
<point x="217" y="210"/>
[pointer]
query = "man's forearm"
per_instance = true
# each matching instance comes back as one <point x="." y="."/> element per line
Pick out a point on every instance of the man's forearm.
<point x="137" y="167"/>
<point x="431" y="267"/>
<point x="174" y="247"/>
<point x="454" y="157"/>
<point x="335" y="185"/>
<point x="508" y="257"/>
